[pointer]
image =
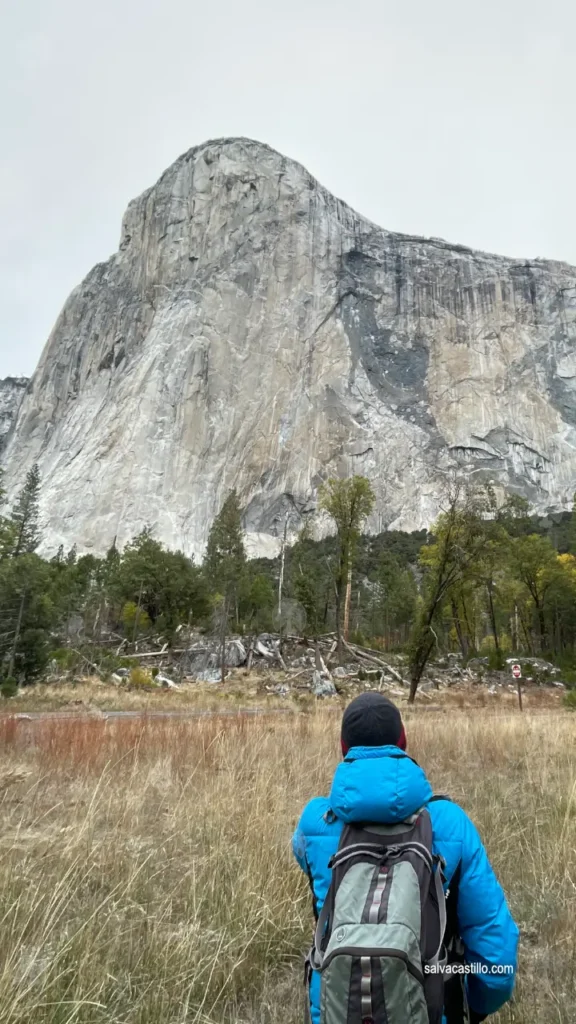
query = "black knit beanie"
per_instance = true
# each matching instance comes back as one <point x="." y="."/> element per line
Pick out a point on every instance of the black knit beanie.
<point x="371" y="720"/>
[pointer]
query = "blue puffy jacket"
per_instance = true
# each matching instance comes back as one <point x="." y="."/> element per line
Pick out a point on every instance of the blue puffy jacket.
<point x="383" y="784"/>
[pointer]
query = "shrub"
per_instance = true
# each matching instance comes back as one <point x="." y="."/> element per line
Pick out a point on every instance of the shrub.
<point x="304" y="701"/>
<point x="135" y="620"/>
<point x="140" y="677"/>
<point x="568" y="672"/>
<point x="570" y="700"/>
<point x="32" y="654"/>
<point x="66" y="658"/>
<point x="496" y="660"/>
<point x="8" y="687"/>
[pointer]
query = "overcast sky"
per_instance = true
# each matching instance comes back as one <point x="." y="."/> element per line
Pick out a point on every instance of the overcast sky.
<point x="446" y="118"/>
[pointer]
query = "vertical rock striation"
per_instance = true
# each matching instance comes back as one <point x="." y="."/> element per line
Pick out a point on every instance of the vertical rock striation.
<point x="11" y="394"/>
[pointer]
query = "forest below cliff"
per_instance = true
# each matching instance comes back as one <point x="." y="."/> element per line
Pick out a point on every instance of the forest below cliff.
<point x="488" y="578"/>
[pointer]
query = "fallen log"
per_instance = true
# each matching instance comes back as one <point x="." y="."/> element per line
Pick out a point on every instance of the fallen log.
<point x="324" y="644"/>
<point x="361" y="652"/>
<point x="156" y="654"/>
<point x="321" y="666"/>
<point x="89" y="663"/>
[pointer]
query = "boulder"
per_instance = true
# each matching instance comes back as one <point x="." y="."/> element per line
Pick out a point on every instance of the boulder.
<point x="208" y="675"/>
<point x="166" y="682"/>
<point x="235" y="654"/>
<point x="322" y="687"/>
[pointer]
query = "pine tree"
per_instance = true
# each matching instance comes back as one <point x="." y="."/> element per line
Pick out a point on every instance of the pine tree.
<point x="348" y="502"/>
<point x="58" y="558"/>
<point x="26" y="514"/>
<point x="225" y="555"/>
<point x="7" y="527"/>
<point x="225" y="563"/>
<point x="308" y="578"/>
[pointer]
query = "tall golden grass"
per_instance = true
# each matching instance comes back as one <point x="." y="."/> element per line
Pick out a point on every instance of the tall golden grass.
<point x="146" y="873"/>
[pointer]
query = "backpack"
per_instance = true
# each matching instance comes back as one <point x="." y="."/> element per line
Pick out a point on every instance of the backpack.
<point x="382" y="923"/>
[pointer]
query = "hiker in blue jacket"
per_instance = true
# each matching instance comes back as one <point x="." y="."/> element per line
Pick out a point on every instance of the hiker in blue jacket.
<point x="375" y="783"/>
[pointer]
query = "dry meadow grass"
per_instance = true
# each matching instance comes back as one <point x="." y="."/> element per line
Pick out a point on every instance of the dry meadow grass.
<point x="244" y="690"/>
<point x="146" y="875"/>
<point x="92" y="694"/>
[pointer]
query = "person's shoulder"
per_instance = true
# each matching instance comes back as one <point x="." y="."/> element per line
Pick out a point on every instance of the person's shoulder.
<point x="447" y="815"/>
<point x="314" y="820"/>
<point x="452" y="827"/>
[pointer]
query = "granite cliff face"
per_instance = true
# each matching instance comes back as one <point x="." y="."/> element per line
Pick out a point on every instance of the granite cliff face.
<point x="255" y="332"/>
<point x="11" y="394"/>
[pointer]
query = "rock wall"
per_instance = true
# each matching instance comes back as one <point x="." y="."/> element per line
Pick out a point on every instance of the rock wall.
<point x="11" y="394"/>
<point x="255" y="332"/>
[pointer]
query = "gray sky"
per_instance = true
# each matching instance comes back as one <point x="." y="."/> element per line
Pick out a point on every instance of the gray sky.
<point x="446" y="118"/>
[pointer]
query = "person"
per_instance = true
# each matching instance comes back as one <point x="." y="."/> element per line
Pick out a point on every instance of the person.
<point x="378" y="782"/>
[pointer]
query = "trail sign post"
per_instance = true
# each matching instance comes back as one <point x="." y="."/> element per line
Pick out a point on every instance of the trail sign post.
<point x="517" y="673"/>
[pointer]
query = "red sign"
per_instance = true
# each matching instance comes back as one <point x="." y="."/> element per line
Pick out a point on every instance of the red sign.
<point x="516" y="671"/>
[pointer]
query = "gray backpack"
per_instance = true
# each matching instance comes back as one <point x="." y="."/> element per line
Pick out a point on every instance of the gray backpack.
<point x="382" y="923"/>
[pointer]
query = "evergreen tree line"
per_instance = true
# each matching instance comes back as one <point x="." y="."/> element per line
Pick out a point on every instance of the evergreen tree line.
<point x="488" y="579"/>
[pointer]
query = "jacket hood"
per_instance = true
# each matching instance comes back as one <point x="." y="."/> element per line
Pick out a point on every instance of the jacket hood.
<point x="381" y="785"/>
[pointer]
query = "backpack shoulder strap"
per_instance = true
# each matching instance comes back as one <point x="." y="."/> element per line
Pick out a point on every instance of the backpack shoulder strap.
<point x="442" y="912"/>
<point x="317" y="951"/>
<point x="452" y="906"/>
